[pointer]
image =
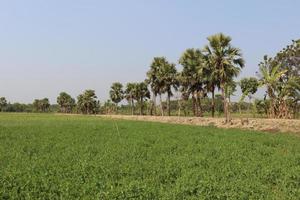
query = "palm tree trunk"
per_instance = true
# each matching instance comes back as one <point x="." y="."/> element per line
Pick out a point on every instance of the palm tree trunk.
<point x="153" y="105"/>
<point x="179" y="106"/>
<point x="272" y="106"/>
<point x="194" y="104"/>
<point x="213" y="101"/>
<point x="168" y="104"/>
<point x="200" y="114"/>
<point x="161" y="105"/>
<point x="141" y="106"/>
<point x="132" y="106"/>
<point x="224" y="102"/>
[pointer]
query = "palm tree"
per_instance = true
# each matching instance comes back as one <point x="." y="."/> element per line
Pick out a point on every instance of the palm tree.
<point x="168" y="77"/>
<point x="191" y="77"/>
<point x="210" y="76"/>
<point x="66" y="102"/>
<point x="156" y="76"/>
<point x="41" y="105"/>
<point x="3" y="103"/>
<point x="130" y="95"/>
<point x="227" y="61"/>
<point x="87" y="102"/>
<point x="141" y="93"/>
<point x="116" y="93"/>
<point x="152" y="80"/>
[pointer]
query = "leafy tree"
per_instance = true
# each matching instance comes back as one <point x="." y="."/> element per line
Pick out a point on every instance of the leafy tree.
<point x="87" y="102"/>
<point x="270" y="74"/>
<point x="230" y="89"/>
<point x="116" y="93"/>
<point x="227" y="61"/>
<point x="141" y="93"/>
<point x="3" y="103"/>
<point x="289" y="59"/>
<point x="249" y="87"/>
<point x="65" y="102"/>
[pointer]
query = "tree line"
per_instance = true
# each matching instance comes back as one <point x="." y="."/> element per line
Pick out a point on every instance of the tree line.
<point x="204" y="73"/>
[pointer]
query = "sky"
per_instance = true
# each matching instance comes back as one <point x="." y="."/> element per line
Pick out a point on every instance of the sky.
<point x="49" y="46"/>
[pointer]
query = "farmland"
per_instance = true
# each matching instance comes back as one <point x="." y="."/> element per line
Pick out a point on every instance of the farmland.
<point x="46" y="156"/>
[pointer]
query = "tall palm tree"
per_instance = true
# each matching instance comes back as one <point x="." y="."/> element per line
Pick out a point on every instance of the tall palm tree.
<point x="168" y="76"/>
<point x="153" y="81"/>
<point x="116" y="93"/>
<point x="130" y="95"/>
<point x="227" y="61"/>
<point x="156" y="76"/>
<point x="210" y="75"/>
<point x="191" y="77"/>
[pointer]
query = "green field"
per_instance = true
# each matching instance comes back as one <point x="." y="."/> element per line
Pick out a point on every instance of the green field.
<point x="84" y="157"/>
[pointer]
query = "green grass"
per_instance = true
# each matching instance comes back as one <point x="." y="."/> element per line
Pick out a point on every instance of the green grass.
<point x="82" y="157"/>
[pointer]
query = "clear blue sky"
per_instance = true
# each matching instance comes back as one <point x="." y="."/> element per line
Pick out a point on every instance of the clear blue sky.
<point x="51" y="46"/>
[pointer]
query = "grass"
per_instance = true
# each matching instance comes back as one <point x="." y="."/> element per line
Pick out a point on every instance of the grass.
<point x="82" y="157"/>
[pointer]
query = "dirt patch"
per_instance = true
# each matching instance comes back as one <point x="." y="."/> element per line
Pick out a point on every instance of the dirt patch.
<point x="260" y="124"/>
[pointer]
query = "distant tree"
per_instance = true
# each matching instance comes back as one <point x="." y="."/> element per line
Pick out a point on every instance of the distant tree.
<point x="130" y="95"/>
<point x="87" y="102"/>
<point x="17" y="107"/>
<point x="249" y="87"/>
<point x="108" y="107"/>
<point x="141" y="93"/>
<point x="41" y="105"/>
<point x="116" y="93"/>
<point x="3" y="103"/>
<point x="66" y="102"/>
<point x="230" y="89"/>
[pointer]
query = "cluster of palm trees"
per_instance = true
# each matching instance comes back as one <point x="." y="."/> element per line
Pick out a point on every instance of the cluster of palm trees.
<point x="212" y="68"/>
<point x="204" y="70"/>
<point x="41" y="105"/>
<point x="87" y="103"/>
<point x="134" y="92"/>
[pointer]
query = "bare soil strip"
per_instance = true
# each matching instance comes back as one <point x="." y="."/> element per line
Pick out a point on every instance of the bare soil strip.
<point x="260" y="124"/>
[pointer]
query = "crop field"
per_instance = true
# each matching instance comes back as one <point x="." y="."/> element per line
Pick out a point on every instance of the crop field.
<point x="44" y="156"/>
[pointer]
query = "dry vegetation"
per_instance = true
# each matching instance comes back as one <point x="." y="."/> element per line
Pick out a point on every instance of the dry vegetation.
<point x="260" y="124"/>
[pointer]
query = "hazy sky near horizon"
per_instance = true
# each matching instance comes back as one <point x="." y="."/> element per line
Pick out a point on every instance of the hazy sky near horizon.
<point x="51" y="46"/>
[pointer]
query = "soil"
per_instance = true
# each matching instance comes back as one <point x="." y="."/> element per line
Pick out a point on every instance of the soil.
<point x="260" y="124"/>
